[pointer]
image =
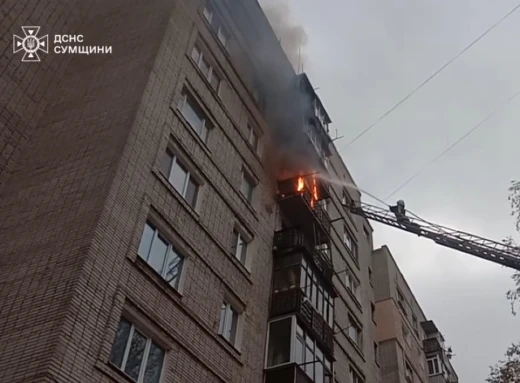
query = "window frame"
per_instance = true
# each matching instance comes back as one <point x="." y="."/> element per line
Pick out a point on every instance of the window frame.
<point x="253" y="131"/>
<point x="145" y="354"/>
<point x="408" y="368"/>
<point x="354" y="376"/>
<point x="316" y="292"/>
<point x="174" y="160"/>
<point x="212" y="70"/>
<point x="225" y="327"/>
<point x="246" y="239"/>
<point x="299" y="334"/>
<point x="206" y="123"/>
<point x="351" y="279"/>
<point x="438" y="365"/>
<point x="158" y="234"/>
<point x="349" y="238"/>
<point x="252" y="182"/>
<point x="355" y="324"/>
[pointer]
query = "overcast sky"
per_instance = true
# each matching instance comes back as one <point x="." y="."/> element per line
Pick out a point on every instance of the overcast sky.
<point x="365" y="56"/>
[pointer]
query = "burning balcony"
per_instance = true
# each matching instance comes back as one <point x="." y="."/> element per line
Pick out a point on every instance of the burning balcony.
<point x="301" y="198"/>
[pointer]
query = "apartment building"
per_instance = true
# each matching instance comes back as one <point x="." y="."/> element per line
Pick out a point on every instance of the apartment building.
<point x="411" y="348"/>
<point x="145" y="236"/>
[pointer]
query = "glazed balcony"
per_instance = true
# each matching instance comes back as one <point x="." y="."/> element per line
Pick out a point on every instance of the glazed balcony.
<point x="289" y="373"/>
<point x="294" y="301"/>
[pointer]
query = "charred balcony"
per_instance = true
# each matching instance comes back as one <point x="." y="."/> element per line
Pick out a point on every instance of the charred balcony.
<point x="315" y="248"/>
<point x="302" y="199"/>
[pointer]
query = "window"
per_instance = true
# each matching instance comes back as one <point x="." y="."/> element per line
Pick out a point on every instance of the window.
<point x="160" y="255"/>
<point x="345" y="199"/>
<point x="179" y="176"/>
<point x="253" y="138"/>
<point x="366" y="233"/>
<point x="208" y="70"/>
<point x="434" y="366"/>
<point x="376" y="353"/>
<point x="139" y="357"/>
<point x="355" y="332"/>
<point x="279" y="351"/>
<point x="247" y="185"/>
<point x="195" y="116"/>
<point x="289" y="343"/>
<point x="353" y="285"/>
<point x="216" y="23"/>
<point x="311" y="358"/>
<point x="228" y="322"/>
<point x="408" y="372"/>
<point x="406" y="335"/>
<point x="316" y="293"/>
<point x="415" y="326"/>
<point x="239" y="246"/>
<point x="401" y="301"/>
<point x="349" y="242"/>
<point x="370" y="276"/>
<point x="373" y="311"/>
<point x="355" y="377"/>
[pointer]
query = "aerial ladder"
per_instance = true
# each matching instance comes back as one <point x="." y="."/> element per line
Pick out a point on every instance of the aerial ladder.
<point x="501" y="253"/>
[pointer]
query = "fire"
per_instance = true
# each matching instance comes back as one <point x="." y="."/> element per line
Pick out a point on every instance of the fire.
<point x="314" y="191"/>
<point x="301" y="184"/>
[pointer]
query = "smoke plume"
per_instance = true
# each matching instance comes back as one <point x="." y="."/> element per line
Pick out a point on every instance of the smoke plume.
<point x="292" y="37"/>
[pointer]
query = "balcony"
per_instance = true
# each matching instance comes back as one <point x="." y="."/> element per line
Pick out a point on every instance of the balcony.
<point x="290" y="373"/>
<point x="293" y="301"/>
<point x="294" y="240"/>
<point x="431" y="346"/>
<point x="299" y="198"/>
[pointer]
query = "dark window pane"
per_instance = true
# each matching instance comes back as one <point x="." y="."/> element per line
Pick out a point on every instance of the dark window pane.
<point x="120" y="341"/>
<point x="158" y="254"/>
<point x="193" y="115"/>
<point x="233" y="327"/>
<point x="135" y="356"/>
<point x="204" y="66"/>
<point x="192" y="192"/>
<point x="279" y="351"/>
<point x="178" y="177"/>
<point x="146" y="241"/>
<point x="173" y="268"/>
<point x="234" y="242"/>
<point x="154" y="364"/>
<point x="166" y="163"/>
<point x="215" y="81"/>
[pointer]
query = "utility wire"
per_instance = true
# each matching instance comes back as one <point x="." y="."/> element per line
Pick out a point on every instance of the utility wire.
<point x="429" y="79"/>
<point x="472" y="130"/>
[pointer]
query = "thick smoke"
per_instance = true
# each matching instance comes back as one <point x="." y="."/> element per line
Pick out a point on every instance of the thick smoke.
<point x="287" y="107"/>
<point x="292" y="37"/>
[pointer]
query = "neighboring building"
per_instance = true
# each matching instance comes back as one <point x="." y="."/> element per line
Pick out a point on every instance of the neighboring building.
<point x="403" y="332"/>
<point x="139" y="212"/>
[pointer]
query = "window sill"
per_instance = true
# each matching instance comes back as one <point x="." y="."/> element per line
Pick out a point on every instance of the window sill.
<point x="248" y="204"/>
<point x="192" y="131"/>
<point x="112" y="372"/>
<point x="229" y="346"/>
<point x="356" y="347"/>
<point x="239" y="264"/>
<point x="156" y="279"/>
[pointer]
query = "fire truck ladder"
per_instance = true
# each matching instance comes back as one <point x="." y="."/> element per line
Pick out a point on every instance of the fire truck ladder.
<point x="497" y="252"/>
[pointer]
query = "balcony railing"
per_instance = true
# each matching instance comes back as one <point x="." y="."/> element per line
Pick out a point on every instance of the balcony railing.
<point x="294" y="239"/>
<point x="293" y="301"/>
<point x="287" y="374"/>
<point x="431" y="346"/>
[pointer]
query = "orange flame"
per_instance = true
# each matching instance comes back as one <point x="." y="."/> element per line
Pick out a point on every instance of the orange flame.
<point x="301" y="184"/>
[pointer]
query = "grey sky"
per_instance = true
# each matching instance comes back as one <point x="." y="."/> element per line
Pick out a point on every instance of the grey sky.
<point x="367" y="55"/>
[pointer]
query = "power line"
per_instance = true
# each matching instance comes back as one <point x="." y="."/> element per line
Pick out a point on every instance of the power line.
<point x="429" y="78"/>
<point x="472" y="130"/>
